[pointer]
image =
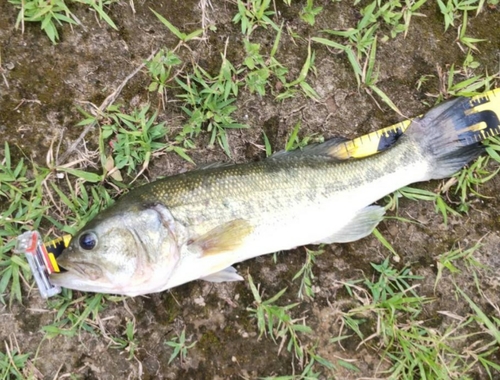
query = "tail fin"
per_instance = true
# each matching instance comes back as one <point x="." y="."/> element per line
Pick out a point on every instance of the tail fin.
<point x="451" y="135"/>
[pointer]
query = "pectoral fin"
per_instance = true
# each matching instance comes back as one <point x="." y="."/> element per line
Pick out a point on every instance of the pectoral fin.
<point x="225" y="275"/>
<point x="225" y="238"/>
<point x="360" y="226"/>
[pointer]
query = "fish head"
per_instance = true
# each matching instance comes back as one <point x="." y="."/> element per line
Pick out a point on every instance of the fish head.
<point x="128" y="252"/>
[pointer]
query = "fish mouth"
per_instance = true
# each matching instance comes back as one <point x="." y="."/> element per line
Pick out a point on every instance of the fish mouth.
<point x="77" y="278"/>
<point x="78" y="269"/>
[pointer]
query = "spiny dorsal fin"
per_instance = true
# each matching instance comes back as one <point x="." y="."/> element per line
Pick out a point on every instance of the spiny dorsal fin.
<point x="327" y="150"/>
<point x="341" y="149"/>
<point x="213" y="165"/>
<point x="225" y="238"/>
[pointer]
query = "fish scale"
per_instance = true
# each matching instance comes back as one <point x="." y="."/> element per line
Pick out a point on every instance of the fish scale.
<point x="276" y="195"/>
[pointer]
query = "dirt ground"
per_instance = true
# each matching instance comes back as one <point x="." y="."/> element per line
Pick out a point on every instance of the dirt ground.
<point x="44" y="84"/>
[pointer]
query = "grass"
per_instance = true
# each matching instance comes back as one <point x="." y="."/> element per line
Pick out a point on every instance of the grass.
<point x="417" y="194"/>
<point x="294" y="140"/>
<point x="253" y="14"/>
<point x="277" y="322"/>
<point x="300" y="81"/>
<point x="31" y="191"/>
<point x="134" y="137"/>
<point x="461" y="81"/>
<point x="309" y="12"/>
<point x="183" y="37"/>
<point x="129" y="140"/>
<point x="258" y="75"/>
<point x="54" y="13"/>
<point x="261" y="69"/>
<point x="408" y="344"/>
<point x="127" y="342"/>
<point x="24" y="209"/>
<point x="306" y="275"/>
<point x="209" y="104"/>
<point x="363" y="63"/>
<point x="180" y="348"/>
<point x="447" y="262"/>
<point x="30" y="197"/>
<point x="74" y="315"/>
<point x="389" y="318"/>
<point x="160" y="69"/>
<point x="377" y="17"/>
<point x="453" y="9"/>
<point x="359" y="43"/>
<point x="13" y="363"/>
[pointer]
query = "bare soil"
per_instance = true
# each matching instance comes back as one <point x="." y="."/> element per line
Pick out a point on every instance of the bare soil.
<point x="45" y="83"/>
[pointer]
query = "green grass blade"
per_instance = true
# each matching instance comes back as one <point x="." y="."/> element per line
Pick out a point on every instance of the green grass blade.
<point x="181" y="36"/>
<point x="495" y="332"/>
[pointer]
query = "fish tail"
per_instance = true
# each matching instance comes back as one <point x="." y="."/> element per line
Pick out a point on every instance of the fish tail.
<point x="451" y="134"/>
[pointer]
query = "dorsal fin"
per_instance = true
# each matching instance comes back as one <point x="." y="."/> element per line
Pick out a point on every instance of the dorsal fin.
<point x="213" y="165"/>
<point x="341" y="149"/>
<point x="327" y="150"/>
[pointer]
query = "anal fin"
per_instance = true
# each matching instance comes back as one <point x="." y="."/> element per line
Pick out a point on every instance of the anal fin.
<point x="225" y="275"/>
<point x="360" y="226"/>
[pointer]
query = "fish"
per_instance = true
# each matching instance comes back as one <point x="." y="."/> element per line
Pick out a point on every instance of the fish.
<point x="198" y="224"/>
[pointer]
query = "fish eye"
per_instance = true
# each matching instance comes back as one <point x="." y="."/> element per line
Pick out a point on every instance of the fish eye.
<point x="88" y="240"/>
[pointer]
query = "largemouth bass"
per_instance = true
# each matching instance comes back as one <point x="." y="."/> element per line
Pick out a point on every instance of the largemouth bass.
<point x="196" y="225"/>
